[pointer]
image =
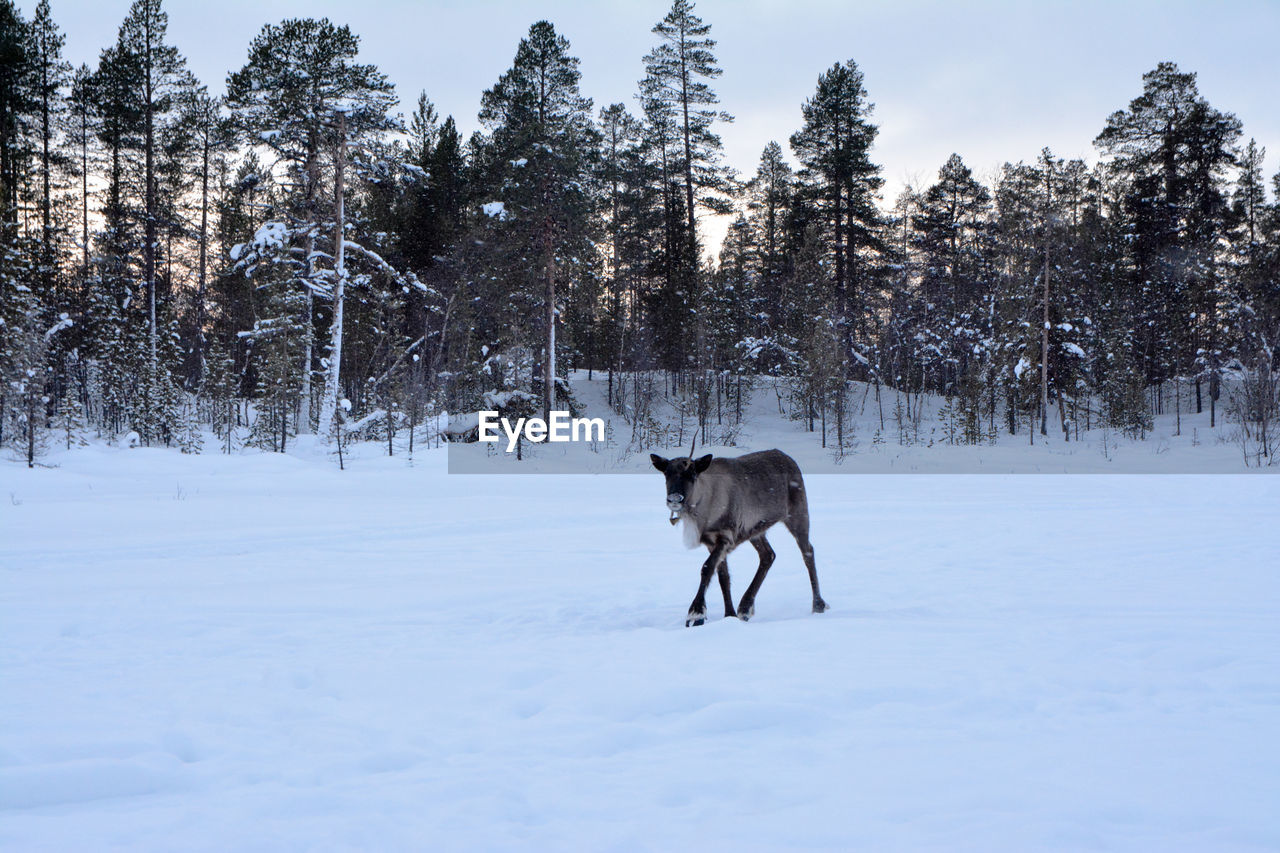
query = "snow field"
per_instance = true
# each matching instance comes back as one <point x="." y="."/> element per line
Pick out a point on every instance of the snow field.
<point x="263" y="653"/>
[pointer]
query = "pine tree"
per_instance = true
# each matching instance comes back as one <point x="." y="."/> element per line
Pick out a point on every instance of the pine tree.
<point x="679" y="105"/>
<point x="19" y="314"/>
<point x="71" y="415"/>
<point x="209" y="140"/>
<point x="1172" y="147"/>
<point x="950" y="232"/>
<point x="1266" y="299"/>
<point x="1016" y="229"/>
<point x="420" y="232"/>
<point x="114" y="87"/>
<point x="423" y="212"/>
<point x="275" y="350"/>
<point x="769" y="201"/>
<point x="137" y="87"/>
<point x="842" y="184"/>
<point x="1253" y="302"/>
<point x="619" y="140"/>
<point x="27" y="376"/>
<point x="237" y="300"/>
<point x="81" y="117"/>
<point x="657" y="210"/>
<point x="821" y="354"/>
<point x="18" y="256"/>
<point x="449" y="192"/>
<point x="732" y="309"/>
<point x="162" y="75"/>
<point x="219" y="389"/>
<point x="81" y="158"/>
<point x="677" y="72"/>
<point x="540" y="148"/>
<point x="299" y="75"/>
<point x="118" y="371"/>
<point x="49" y="73"/>
<point x="17" y="105"/>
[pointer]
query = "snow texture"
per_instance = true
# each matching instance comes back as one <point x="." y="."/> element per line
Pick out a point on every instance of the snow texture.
<point x="463" y="423"/>
<point x="64" y="322"/>
<point x="270" y="236"/>
<point x="263" y="653"/>
<point x="503" y="399"/>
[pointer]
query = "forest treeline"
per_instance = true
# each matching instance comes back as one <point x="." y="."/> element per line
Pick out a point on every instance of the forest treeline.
<point x="295" y="257"/>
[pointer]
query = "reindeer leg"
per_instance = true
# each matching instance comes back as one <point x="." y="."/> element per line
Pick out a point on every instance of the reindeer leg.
<point x="797" y="522"/>
<point x="747" y="607"/>
<point x="698" y="609"/>
<point x="723" y="574"/>
<point x="806" y="551"/>
<point x="799" y="527"/>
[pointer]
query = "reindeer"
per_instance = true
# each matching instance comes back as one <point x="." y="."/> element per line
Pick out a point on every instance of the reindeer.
<point x="725" y="502"/>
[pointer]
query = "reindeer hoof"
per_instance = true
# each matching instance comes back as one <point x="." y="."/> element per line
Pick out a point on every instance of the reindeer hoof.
<point x="819" y="606"/>
<point x="745" y="613"/>
<point x="695" y="619"/>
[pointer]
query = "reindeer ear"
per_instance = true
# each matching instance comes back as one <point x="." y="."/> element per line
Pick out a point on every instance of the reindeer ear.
<point x="658" y="462"/>
<point x="701" y="464"/>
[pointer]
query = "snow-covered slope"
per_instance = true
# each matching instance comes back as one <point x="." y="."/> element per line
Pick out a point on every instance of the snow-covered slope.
<point x="1178" y="444"/>
<point x="263" y="653"/>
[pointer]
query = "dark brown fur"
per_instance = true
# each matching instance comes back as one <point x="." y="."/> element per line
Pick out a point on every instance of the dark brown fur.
<point x="731" y="501"/>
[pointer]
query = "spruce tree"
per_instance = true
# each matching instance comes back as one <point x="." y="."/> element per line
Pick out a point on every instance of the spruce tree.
<point x="769" y="200"/>
<point x="950" y="230"/>
<point x="219" y="390"/>
<point x="71" y="414"/>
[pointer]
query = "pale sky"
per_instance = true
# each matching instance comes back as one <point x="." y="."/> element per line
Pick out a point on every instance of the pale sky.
<point x="993" y="81"/>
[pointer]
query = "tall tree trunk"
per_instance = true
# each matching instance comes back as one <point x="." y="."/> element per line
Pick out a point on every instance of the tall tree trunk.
<point x="1044" y="349"/>
<point x="1044" y="331"/>
<point x="329" y="406"/>
<point x="549" y="362"/>
<point x="84" y="194"/>
<point x="204" y="256"/>
<point x="46" y="223"/>
<point x="688" y="167"/>
<point x="149" y="237"/>
<point x="31" y="428"/>
<point x="312" y="171"/>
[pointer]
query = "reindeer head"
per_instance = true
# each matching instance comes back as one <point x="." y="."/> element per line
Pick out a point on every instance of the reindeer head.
<point x="681" y="473"/>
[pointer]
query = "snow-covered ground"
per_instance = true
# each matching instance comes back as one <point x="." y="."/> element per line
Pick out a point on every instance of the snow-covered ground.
<point x="260" y="652"/>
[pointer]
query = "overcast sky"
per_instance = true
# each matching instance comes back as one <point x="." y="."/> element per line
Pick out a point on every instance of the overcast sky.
<point x="993" y="81"/>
